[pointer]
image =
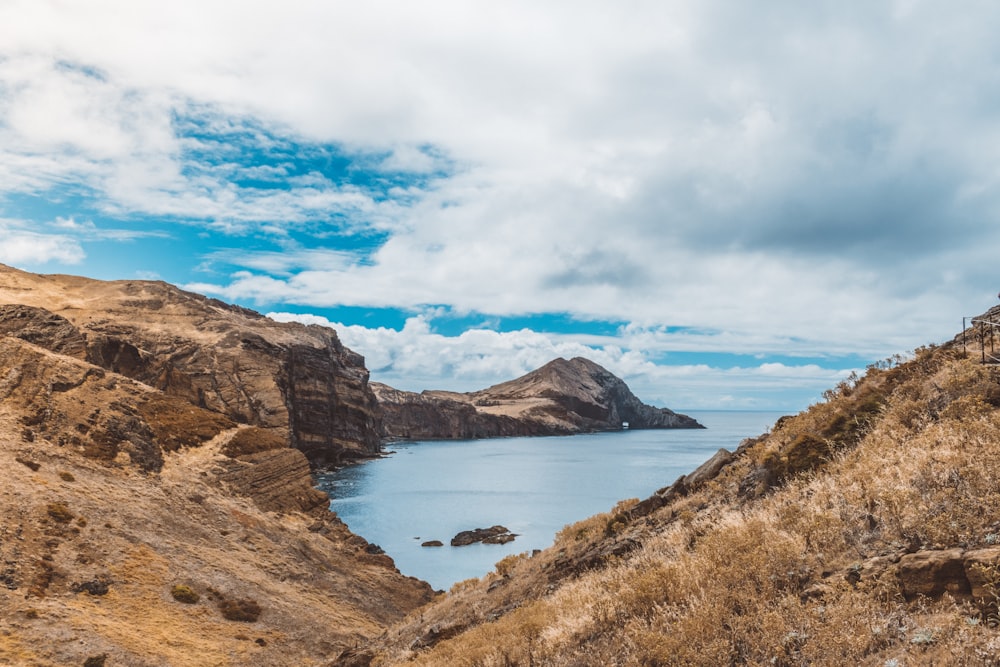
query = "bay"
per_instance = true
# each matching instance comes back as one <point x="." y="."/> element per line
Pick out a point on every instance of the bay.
<point x="431" y="490"/>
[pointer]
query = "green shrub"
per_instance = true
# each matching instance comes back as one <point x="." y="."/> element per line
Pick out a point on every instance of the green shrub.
<point x="185" y="594"/>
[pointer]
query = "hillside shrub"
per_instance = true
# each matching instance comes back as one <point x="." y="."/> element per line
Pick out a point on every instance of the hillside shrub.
<point x="244" y="610"/>
<point x="185" y="594"/>
<point x="59" y="512"/>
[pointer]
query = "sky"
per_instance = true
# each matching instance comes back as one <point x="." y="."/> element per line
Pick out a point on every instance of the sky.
<point x="730" y="205"/>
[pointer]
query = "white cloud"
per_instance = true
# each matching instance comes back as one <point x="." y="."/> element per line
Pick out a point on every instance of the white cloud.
<point x="812" y="180"/>
<point x="20" y="246"/>
<point x="415" y="358"/>
<point x="120" y="146"/>
<point x="410" y="159"/>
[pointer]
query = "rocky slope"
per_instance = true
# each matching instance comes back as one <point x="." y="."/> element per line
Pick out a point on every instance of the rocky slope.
<point x="560" y="398"/>
<point x="115" y="495"/>
<point x="863" y="530"/>
<point x="296" y="379"/>
<point x="152" y="510"/>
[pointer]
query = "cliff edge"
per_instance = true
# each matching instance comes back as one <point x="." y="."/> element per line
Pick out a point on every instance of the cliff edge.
<point x="298" y="379"/>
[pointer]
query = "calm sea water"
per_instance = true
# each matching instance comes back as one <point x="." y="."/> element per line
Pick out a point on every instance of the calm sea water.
<point x="431" y="490"/>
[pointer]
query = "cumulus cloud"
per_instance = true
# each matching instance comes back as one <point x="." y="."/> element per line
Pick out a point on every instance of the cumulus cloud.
<point x="818" y="179"/>
<point x="141" y="151"/>
<point x="21" y="246"/>
<point x="416" y="358"/>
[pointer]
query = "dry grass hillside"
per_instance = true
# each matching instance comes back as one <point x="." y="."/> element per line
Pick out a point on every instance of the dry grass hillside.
<point x="863" y="531"/>
<point x="139" y="529"/>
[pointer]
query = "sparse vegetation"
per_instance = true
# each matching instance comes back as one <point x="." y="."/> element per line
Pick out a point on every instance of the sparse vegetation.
<point x="66" y="476"/>
<point x="184" y="593"/>
<point x="803" y="570"/>
<point x="252" y="440"/>
<point x="243" y="609"/>
<point x="465" y="584"/>
<point x="507" y="563"/>
<point x="59" y="512"/>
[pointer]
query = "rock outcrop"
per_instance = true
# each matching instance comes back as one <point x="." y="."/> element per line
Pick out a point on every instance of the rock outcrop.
<point x="227" y="359"/>
<point x="560" y="398"/>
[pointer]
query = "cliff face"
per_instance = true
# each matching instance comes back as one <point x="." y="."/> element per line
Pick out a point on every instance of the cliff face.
<point x="562" y="397"/>
<point x="224" y="358"/>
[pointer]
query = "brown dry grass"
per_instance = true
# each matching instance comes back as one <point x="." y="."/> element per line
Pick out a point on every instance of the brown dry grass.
<point x="144" y="528"/>
<point x="906" y="457"/>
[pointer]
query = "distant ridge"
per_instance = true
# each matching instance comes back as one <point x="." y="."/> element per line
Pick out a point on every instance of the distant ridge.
<point x="562" y="397"/>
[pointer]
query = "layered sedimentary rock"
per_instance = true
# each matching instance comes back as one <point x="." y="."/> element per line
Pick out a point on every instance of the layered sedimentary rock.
<point x="562" y="397"/>
<point x="224" y="358"/>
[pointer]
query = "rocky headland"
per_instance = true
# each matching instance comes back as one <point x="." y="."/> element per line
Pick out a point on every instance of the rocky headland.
<point x="157" y="507"/>
<point x="157" y="504"/>
<point x="299" y="381"/>
<point x="560" y="398"/>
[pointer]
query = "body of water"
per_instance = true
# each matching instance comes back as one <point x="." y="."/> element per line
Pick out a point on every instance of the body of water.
<point x="431" y="490"/>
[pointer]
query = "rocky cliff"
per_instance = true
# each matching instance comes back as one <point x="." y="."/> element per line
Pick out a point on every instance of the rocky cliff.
<point x="562" y="397"/>
<point x="137" y="528"/>
<point x="232" y="361"/>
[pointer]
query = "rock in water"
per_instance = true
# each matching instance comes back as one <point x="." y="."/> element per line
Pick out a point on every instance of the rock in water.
<point x="492" y="535"/>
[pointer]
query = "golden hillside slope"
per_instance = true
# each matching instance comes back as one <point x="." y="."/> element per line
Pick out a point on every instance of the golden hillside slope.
<point x="864" y="530"/>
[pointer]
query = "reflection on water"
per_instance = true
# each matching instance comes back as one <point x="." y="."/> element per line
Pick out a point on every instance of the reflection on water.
<point x="534" y="486"/>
